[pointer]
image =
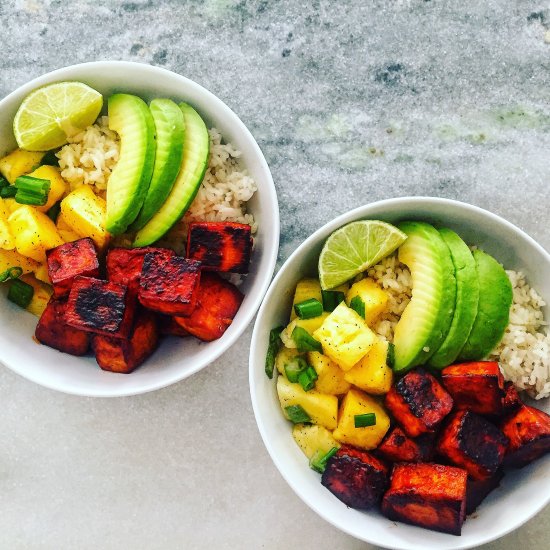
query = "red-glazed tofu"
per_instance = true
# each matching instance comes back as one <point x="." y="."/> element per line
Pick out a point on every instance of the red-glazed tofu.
<point x="70" y="260"/>
<point x="511" y="400"/>
<point x="168" y="326"/>
<point x="220" y="246"/>
<point x="53" y="331"/>
<point x="217" y="304"/>
<point x="473" y="443"/>
<point x="428" y="495"/>
<point x="418" y="402"/>
<point x="124" y="264"/>
<point x="169" y="285"/>
<point x="528" y="432"/>
<point x="355" y="477"/>
<point x="100" y="306"/>
<point x="477" y="490"/>
<point x="398" y="447"/>
<point x="123" y="355"/>
<point x="476" y="386"/>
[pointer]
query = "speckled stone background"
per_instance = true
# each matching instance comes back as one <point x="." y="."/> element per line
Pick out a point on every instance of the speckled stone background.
<point x="351" y="101"/>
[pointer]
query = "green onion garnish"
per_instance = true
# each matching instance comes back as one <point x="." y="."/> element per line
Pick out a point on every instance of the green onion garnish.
<point x="49" y="159"/>
<point x="53" y="212"/>
<point x="318" y="461"/>
<point x="390" y="357"/>
<point x="304" y="341"/>
<point x="296" y="414"/>
<point x="308" y="309"/>
<point x="294" y="368"/>
<point x="307" y="378"/>
<point x="364" y="420"/>
<point x="11" y="273"/>
<point x="331" y="298"/>
<point x="272" y="349"/>
<point x="8" y="192"/>
<point x="33" y="191"/>
<point x="20" y="293"/>
<point x="358" y="305"/>
<point x="3" y="182"/>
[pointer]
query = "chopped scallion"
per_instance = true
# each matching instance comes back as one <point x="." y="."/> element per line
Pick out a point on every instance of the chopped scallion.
<point x="296" y="414"/>
<point x="11" y="273"/>
<point x="358" y="305"/>
<point x="294" y="368"/>
<point x="308" y="309"/>
<point x="3" y="182"/>
<point x="53" y="212"/>
<point x="364" y="420"/>
<point x="272" y="349"/>
<point x="304" y="341"/>
<point x="307" y="378"/>
<point x="331" y="299"/>
<point x="20" y="293"/>
<point x="33" y="191"/>
<point x="318" y="461"/>
<point x="8" y="192"/>
<point x="390" y="357"/>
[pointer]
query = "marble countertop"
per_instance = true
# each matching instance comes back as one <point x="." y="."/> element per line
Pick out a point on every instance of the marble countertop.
<point x="362" y="100"/>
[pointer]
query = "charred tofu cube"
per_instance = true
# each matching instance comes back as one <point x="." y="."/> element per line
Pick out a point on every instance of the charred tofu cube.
<point x="123" y="355"/>
<point x="217" y="304"/>
<point x="398" y="447"/>
<point x="528" y="432"/>
<point x="100" y="306"/>
<point x="476" y="386"/>
<point x="477" y="490"/>
<point x="511" y="400"/>
<point x="418" y="402"/>
<point x="70" y="260"/>
<point x="53" y="331"/>
<point x="220" y="246"/>
<point x="124" y="265"/>
<point x="355" y="477"/>
<point x="169" y="284"/>
<point x="168" y="326"/>
<point x="428" y="495"/>
<point x="473" y="443"/>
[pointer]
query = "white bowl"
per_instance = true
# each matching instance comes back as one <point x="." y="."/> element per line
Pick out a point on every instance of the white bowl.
<point x="522" y="493"/>
<point x="176" y="358"/>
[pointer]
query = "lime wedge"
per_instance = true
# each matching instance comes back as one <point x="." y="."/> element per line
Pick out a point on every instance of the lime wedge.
<point x="50" y="114"/>
<point x="354" y="248"/>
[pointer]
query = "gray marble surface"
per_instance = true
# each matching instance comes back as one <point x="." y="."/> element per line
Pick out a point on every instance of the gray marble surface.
<point x="351" y="101"/>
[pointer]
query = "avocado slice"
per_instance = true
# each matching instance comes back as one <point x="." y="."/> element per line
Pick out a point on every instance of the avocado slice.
<point x="467" y="297"/>
<point x="170" y="131"/>
<point x="493" y="310"/>
<point x="196" y="148"/>
<point x="131" y="119"/>
<point x="427" y="318"/>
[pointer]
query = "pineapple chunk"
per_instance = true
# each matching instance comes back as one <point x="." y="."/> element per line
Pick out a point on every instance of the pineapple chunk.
<point x="58" y="187"/>
<point x="42" y="274"/>
<point x="311" y="325"/>
<point x="345" y="337"/>
<point x="356" y="402"/>
<point x="330" y="376"/>
<point x="34" y="233"/>
<point x="305" y="290"/>
<point x="313" y="438"/>
<point x="84" y="212"/>
<point x="285" y="356"/>
<point x="19" y="162"/>
<point x="9" y="206"/>
<point x="372" y="373"/>
<point x="7" y="242"/>
<point x="375" y="299"/>
<point x="65" y="230"/>
<point x="11" y="258"/>
<point x="41" y="296"/>
<point x="321" y="408"/>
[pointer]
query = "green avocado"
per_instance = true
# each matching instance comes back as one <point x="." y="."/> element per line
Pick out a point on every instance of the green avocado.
<point x="467" y="297"/>
<point x="493" y="310"/>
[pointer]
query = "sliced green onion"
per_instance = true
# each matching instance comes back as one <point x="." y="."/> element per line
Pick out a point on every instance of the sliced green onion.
<point x="331" y="299"/>
<point x="307" y="378"/>
<point x="364" y="420"/>
<point x="53" y="212"/>
<point x="304" y="341"/>
<point x="11" y="273"/>
<point x="8" y="192"/>
<point x="33" y="191"/>
<point x="294" y="368"/>
<point x="272" y="349"/>
<point x="390" y="357"/>
<point x="318" y="461"/>
<point x="308" y="309"/>
<point x="49" y="159"/>
<point x="358" y="305"/>
<point x="20" y="293"/>
<point x="296" y="414"/>
<point x="3" y="182"/>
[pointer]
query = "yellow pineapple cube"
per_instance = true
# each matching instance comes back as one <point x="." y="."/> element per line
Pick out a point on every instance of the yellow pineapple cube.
<point x="345" y="337"/>
<point x="311" y="325"/>
<point x="42" y="274"/>
<point x="356" y="403"/>
<point x="19" y="162"/>
<point x="305" y="290"/>
<point x="12" y="258"/>
<point x="65" y="230"/>
<point x="312" y="438"/>
<point x="284" y="357"/>
<point x="374" y="298"/>
<point x="41" y="296"/>
<point x="330" y="376"/>
<point x="372" y="374"/>
<point x="58" y="186"/>
<point x="7" y="241"/>
<point x="9" y="206"/>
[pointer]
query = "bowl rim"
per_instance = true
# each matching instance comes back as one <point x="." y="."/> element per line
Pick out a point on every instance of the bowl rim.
<point x="271" y="241"/>
<point x="357" y="213"/>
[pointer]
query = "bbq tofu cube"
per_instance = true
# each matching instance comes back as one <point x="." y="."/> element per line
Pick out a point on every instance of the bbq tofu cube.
<point x="528" y="432"/>
<point x="53" y="331"/>
<point x="428" y="495"/>
<point x="476" y="386"/>
<point x="418" y="402"/>
<point x="124" y="265"/>
<point x="478" y="490"/>
<point x="169" y="284"/>
<point x="398" y="447"/>
<point x="70" y="260"/>
<point x="101" y="307"/>
<point x="473" y="443"/>
<point x="220" y="246"/>
<point x="355" y="477"/>
<point x="168" y="326"/>
<point x="123" y="355"/>
<point x="511" y="400"/>
<point x="217" y="304"/>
